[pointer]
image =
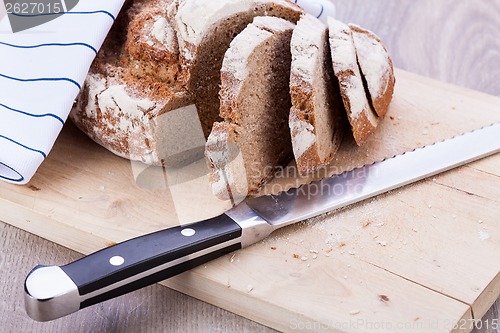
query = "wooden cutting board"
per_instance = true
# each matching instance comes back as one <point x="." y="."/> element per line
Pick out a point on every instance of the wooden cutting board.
<point x="425" y="258"/>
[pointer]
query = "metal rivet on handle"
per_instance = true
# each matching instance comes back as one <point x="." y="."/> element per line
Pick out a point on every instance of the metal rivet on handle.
<point x="188" y="232"/>
<point x="116" y="261"/>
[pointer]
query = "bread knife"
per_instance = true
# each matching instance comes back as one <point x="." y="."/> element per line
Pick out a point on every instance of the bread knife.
<point x="55" y="291"/>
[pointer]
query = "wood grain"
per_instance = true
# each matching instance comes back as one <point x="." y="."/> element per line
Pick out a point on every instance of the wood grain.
<point x="454" y="41"/>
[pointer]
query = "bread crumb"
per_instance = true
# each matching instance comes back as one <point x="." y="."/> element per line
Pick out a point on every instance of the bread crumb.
<point x="34" y="188"/>
<point x="273" y="247"/>
<point x="314" y="251"/>
<point x="354" y="312"/>
<point x="345" y="277"/>
<point x="415" y="230"/>
<point x="315" y="257"/>
<point x="296" y="256"/>
<point x="304" y="258"/>
<point x="383" y="298"/>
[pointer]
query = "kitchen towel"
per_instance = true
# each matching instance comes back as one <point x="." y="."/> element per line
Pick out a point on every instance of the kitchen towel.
<point x="42" y="69"/>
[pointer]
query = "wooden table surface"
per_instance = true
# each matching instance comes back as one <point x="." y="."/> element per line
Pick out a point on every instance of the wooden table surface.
<point x="456" y="41"/>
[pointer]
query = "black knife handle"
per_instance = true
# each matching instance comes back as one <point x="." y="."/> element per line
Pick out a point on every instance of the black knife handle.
<point x="52" y="291"/>
<point x="154" y="254"/>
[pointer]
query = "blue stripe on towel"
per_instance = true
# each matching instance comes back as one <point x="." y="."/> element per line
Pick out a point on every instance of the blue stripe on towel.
<point x="322" y="10"/>
<point x="26" y="147"/>
<point x="20" y="179"/>
<point x="65" y="13"/>
<point x="43" y="79"/>
<point x="50" y="44"/>
<point x="34" y="115"/>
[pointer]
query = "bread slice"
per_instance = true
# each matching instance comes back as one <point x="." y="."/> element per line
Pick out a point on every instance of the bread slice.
<point x="205" y="29"/>
<point x="376" y="67"/>
<point x="254" y="139"/>
<point x="361" y="115"/>
<point x="317" y="117"/>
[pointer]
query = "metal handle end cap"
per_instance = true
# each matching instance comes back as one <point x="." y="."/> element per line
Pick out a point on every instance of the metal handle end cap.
<point x="49" y="294"/>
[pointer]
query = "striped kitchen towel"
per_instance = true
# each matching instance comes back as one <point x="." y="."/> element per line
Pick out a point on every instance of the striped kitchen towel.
<point x="42" y="69"/>
<point x="41" y="72"/>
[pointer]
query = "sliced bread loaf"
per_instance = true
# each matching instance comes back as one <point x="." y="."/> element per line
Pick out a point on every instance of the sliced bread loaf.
<point x="376" y="67"/>
<point x="254" y="138"/>
<point x="361" y="115"/>
<point x="162" y="56"/>
<point x="317" y="117"/>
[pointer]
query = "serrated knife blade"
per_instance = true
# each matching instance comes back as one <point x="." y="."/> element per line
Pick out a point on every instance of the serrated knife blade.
<point x="55" y="291"/>
<point x="328" y="194"/>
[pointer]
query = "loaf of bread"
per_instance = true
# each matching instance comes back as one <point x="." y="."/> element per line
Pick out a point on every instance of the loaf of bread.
<point x="132" y="83"/>
<point x="317" y="116"/>
<point x="254" y="138"/>
<point x="160" y="68"/>
<point x="177" y="79"/>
